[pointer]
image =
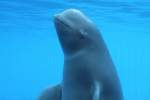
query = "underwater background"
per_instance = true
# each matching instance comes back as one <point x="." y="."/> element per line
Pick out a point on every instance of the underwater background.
<point x="31" y="58"/>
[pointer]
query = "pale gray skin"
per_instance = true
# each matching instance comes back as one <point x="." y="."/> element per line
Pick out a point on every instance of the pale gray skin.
<point x="89" y="73"/>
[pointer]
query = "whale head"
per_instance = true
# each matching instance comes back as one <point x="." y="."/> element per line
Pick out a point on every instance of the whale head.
<point x="75" y="31"/>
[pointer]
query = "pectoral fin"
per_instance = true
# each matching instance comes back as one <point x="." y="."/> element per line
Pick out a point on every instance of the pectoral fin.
<point x="53" y="93"/>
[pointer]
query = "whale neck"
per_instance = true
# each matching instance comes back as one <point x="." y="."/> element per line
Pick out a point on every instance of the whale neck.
<point x="95" y="50"/>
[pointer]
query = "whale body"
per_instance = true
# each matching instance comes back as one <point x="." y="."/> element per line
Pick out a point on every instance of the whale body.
<point x="89" y="73"/>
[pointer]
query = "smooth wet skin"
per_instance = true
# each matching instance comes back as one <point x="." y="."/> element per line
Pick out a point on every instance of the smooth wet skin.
<point x="89" y="73"/>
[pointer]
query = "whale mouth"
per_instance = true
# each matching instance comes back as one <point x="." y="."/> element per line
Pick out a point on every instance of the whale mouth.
<point x="58" y="20"/>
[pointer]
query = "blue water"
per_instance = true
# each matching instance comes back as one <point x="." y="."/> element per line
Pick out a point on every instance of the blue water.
<point x="30" y="54"/>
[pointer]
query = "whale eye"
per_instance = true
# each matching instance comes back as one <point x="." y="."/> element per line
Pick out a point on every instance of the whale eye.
<point x="82" y="34"/>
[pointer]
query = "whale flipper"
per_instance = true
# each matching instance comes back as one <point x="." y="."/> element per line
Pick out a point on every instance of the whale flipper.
<point x="53" y="93"/>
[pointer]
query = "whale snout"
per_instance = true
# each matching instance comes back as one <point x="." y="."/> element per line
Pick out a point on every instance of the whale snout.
<point x="61" y="24"/>
<point x="70" y="17"/>
<point x="68" y="12"/>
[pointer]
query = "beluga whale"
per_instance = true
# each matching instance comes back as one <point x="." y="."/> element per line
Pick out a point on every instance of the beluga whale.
<point x="89" y="72"/>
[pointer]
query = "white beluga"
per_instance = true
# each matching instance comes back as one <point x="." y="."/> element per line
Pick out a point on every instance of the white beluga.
<point x="89" y="73"/>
